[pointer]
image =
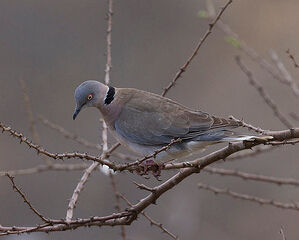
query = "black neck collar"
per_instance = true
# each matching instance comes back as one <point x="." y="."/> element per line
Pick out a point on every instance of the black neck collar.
<point x="109" y="96"/>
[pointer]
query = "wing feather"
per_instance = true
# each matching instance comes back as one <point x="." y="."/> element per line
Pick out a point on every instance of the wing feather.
<point x="150" y="119"/>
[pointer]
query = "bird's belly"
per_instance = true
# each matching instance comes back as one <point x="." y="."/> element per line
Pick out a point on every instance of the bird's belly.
<point x="174" y="152"/>
<point x="164" y="156"/>
<point x="143" y="150"/>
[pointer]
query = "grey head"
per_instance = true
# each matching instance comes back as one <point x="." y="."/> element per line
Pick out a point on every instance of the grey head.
<point x="89" y="94"/>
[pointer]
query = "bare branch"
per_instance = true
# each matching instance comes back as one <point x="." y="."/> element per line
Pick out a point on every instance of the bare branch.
<point x="233" y="148"/>
<point x="68" y="134"/>
<point x="108" y="39"/>
<point x="250" y="198"/>
<point x="249" y="51"/>
<point x="29" y="112"/>
<point x="61" y="225"/>
<point x="101" y="160"/>
<point x="261" y="131"/>
<point x="247" y="125"/>
<point x="105" y="128"/>
<point x="80" y="140"/>
<point x="291" y="56"/>
<point x="285" y="142"/>
<point x="45" y="167"/>
<point x="250" y="153"/>
<point x="287" y="77"/>
<point x="30" y="116"/>
<point x="152" y="222"/>
<point x="263" y="94"/>
<point x="26" y="200"/>
<point x="78" y="190"/>
<point x="55" y="156"/>
<point x="143" y="187"/>
<point x="284" y="77"/>
<point x="282" y="233"/>
<point x="251" y="176"/>
<point x="201" y="41"/>
<point x="117" y="200"/>
<point x="81" y="183"/>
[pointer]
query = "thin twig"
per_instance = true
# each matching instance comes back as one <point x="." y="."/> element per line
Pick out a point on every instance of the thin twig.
<point x="81" y="183"/>
<point x="252" y="176"/>
<point x="201" y="41"/>
<point x="46" y="220"/>
<point x="62" y="225"/>
<point x="152" y="222"/>
<point x="262" y="201"/>
<point x="288" y="79"/>
<point x="68" y="134"/>
<point x="291" y="56"/>
<point x="84" y="166"/>
<point x="250" y="52"/>
<point x="74" y="199"/>
<point x="117" y="200"/>
<point x="250" y="153"/>
<point x="247" y="125"/>
<point x="105" y="128"/>
<point x="45" y="167"/>
<point x="143" y="187"/>
<point x="285" y="142"/>
<point x="29" y="112"/>
<point x="282" y="233"/>
<point x="30" y="116"/>
<point x="239" y="155"/>
<point x="101" y="159"/>
<point x="55" y="156"/>
<point x="4" y="231"/>
<point x="263" y="94"/>
<point x="115" y="190"/>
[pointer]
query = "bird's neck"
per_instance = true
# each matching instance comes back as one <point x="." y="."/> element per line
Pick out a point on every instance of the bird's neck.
<point x="110" y="112"/>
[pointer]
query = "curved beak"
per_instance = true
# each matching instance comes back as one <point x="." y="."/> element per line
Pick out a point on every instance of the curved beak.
<point x="76" y="112"/>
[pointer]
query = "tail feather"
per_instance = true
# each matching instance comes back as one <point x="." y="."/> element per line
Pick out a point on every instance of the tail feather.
<point x="230" y="136"/>
<point x="247" y="138"/>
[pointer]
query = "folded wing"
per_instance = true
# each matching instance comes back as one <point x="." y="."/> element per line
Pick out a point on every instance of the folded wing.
<point x="162" y="120"/>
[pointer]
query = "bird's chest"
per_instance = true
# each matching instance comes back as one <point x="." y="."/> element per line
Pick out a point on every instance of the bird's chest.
<point x="137" y="148"/>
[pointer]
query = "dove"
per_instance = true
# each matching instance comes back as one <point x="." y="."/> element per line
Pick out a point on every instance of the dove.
<point x="145" y="122"/>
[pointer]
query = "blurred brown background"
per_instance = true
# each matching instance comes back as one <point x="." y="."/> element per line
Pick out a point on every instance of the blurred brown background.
<point x="55" y="45"/>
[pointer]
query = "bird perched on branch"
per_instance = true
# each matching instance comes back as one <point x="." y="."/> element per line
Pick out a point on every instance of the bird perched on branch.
<point x="145" y="122"/>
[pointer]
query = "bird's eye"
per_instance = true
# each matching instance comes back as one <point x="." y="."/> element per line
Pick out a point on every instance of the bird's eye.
<point x="89" y="97"/>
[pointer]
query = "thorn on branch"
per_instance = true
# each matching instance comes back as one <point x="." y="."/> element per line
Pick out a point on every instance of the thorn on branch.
<point x="200" y="43"/>
<point x="250" y="198"/>
<point x="18" y="190"/>
<point x="265" y="96"/>
<point x="291" y="56"/>
<point x="143" y="187"/>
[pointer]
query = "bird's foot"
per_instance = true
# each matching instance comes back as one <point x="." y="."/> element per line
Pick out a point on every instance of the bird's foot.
<point x="150" y="166"/>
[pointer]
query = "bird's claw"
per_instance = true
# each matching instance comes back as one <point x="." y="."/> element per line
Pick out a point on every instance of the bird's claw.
<point x="152" y="166"/>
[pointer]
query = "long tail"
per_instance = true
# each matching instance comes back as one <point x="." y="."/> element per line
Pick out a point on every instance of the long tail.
<point x="237" y="138"/>
<point x="230" y="136"/>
